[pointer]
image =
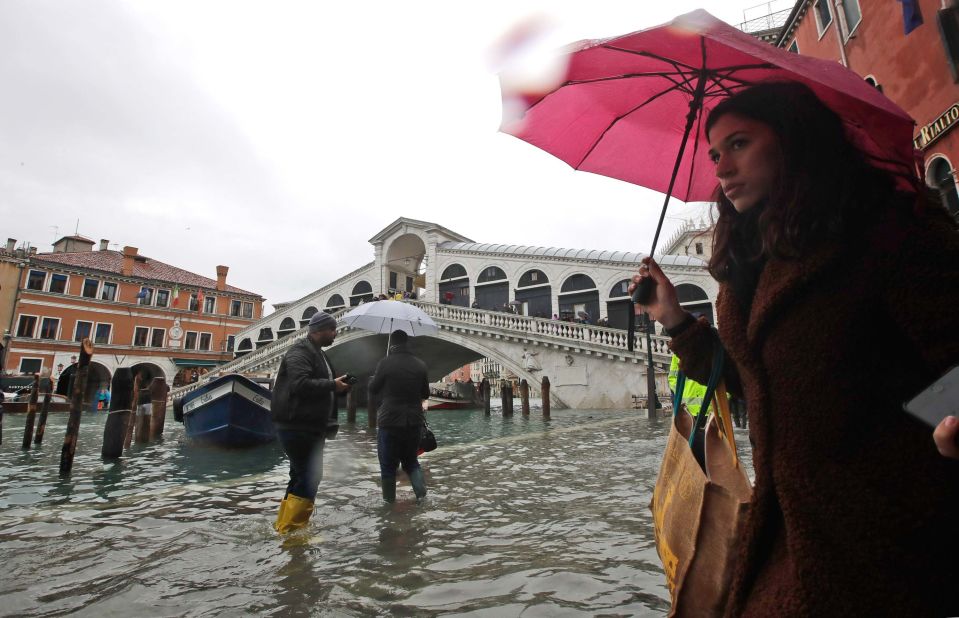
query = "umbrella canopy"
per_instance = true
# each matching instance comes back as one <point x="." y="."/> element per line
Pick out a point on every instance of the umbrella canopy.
<point x="627" y="105"/>
<point x="386" y="316"/>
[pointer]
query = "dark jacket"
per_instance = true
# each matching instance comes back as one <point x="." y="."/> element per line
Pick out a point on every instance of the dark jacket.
<point x="853" y="510"/>
<point x="401" y="379"/>
<point x="301" y="396"/>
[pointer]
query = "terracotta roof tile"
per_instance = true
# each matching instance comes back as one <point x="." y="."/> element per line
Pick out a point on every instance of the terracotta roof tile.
<point x="143" y="267"/>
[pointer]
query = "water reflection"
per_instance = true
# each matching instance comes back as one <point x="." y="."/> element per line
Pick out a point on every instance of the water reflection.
<point x="523" y="516"/>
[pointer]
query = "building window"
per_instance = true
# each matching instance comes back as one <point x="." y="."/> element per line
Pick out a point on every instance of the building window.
<point x="156" y="338"/>
<point x="36" y="279"/>
<point x="140" y="336"/>
<point x="393" y="278"/>
<point x="230" y="342"/>
<point x="794" y="47"/>
<point x="90" y="287"/>
<point x="163" y="298"/>
<point x="209" y="304"/>
<point x="942" y="177"/>
<point x="190" y="342"/>
<point x="235" y="307"/>
<point x="49" y="328"/>
<point x="823" y="15"/>
<point x="82" y="331"/>
<point x="205" y="340"/>
<point x="699" y="248"/>
<point x="109" y="291"/>
<point x="145" y="297"/>
<point x="58" y="284"/>
<point x="194" y="303"/>
<point x="30" y="365"/>
<point x="27" y="326"/>
<point x="248" y="310"/>
<point x="852" y="13"/>
<point x="103" y="332"/>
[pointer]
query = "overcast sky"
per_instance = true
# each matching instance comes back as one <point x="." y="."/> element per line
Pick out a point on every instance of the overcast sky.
<point x="278" y="137"/>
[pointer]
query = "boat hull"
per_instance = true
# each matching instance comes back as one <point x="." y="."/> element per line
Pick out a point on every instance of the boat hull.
<point x="441" y="403"/>
<point x="231" y="411"/>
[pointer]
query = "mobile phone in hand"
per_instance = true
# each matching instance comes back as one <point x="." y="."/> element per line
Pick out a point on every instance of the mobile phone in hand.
<point x="939" y="400"/>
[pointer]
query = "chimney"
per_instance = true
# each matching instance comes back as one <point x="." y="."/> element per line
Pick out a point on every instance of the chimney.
<point x="104" y="244"/>
<point x="128" y="255"/>
<point x="221" y="272"/>
<point x="11" y="244"/>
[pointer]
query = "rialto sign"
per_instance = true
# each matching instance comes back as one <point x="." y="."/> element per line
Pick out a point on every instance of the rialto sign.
<point x="937" y="128"/>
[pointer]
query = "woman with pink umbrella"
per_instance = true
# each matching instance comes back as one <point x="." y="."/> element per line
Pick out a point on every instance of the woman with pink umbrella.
<point x="837" y="302"/>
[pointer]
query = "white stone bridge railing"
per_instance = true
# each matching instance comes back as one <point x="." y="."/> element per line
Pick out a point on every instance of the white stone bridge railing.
<point x="599" y="339"/>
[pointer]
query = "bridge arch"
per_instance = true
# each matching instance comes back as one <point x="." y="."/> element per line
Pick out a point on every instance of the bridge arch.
<point x="535" y="293"/>
<point x="287" y="326"/>
<point x="618" y="305"/>
<point x="362" y="293"/>
<point x="335" y="302"/>
<point x="245" y="347"/>
<point x="404" y="257"/>
<point x="492" y="288"/>
<point x="98" y="376"/>
<point x="455" y="281"/>
<point x="694" y="299"/>
<point x="147" y="372"/>
<point x="578" y="294"/>
<point x="307" y="314"/>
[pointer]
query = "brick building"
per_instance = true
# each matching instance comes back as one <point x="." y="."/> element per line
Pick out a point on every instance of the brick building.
<point x="139" y="312"/>
<point x="918" y="70"/>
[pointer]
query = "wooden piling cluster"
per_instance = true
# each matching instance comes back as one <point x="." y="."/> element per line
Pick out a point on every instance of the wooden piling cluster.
<point x="76" y="408"/>
<point x="506" y="394"/>
<point x="42" y="421"/>
<point x="115" y="429"/>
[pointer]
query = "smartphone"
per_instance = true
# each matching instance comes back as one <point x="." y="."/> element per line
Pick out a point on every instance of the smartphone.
<point x="939" y="400"/>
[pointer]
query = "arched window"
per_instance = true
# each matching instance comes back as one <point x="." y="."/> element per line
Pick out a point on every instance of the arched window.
<point x="872" y="82"/>
<point x="308" y="312"/>
<point x="620" y="289"/>
<point x="941" y="176"/>
<point x="266" y="334"/>
<point x="532" y="277"/>
<point x="245" y="346"/>
<point x="491" y="273"/>
<point x="335" y="302"/>
<point x="688" y="293"/>
<point x="575" y="283"/>
<point x="287" y="324"/>
<point x="453" y="271"/>
<point x="362" y="287"/>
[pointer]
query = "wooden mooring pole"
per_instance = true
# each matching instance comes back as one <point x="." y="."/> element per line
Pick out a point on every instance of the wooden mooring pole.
<point x="31" y="413"/>
<point x="42" y="421"/>
<point x="485" y="392"/>
<point x="134" y="407"/>
<point x="370" y="406"/>
<point x="506" y="394"/>
<point x="158" y="396"/>
<point x="76" y="408"/>
<point x="115" y="429"/>
<point x="351" y="404"/>
<point x="524" y="396"/>
<point x="545" y="396"/>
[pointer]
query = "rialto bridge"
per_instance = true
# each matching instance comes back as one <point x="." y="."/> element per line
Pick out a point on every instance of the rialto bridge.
<point x="465" y="286"/>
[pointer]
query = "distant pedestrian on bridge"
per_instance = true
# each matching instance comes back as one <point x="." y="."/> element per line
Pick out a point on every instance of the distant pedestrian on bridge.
<point x="304" y="405"/>
<point x="402" y="379"/>
<point x="837" y="302"/>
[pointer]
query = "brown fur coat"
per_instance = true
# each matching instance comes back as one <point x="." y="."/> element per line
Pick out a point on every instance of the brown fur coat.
<point x="854" y="512"/>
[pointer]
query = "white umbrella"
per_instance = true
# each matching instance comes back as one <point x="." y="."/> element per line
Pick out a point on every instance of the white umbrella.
<point x="385" y="316"/>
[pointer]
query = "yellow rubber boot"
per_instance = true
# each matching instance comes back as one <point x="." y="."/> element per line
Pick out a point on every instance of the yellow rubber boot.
<point x="294" y="513"/>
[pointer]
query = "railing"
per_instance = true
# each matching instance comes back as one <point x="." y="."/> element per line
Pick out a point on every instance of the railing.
<point x="600" y="338"/>
<point x="567" y="331"/>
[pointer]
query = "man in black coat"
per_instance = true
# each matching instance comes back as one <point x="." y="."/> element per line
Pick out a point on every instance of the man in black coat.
<point x="402" y="379"/>
<point x="304" y="408"/>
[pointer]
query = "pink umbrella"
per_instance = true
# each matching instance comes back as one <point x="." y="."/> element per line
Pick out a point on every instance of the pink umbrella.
<point x="628" y="105"/>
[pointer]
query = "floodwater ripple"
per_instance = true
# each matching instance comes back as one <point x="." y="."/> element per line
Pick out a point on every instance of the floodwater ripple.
<point x="524" y="517"/>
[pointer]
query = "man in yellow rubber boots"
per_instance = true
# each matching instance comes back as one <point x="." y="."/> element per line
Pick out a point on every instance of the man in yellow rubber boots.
<point x="304" y="409"/>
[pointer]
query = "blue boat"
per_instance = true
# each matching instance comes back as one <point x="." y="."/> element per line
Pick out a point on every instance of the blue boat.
<point x="228" y="411"/>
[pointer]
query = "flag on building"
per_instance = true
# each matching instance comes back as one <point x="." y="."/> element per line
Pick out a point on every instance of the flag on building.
<point x="199" y="300"/>
<point x="176" y="295"/>
<point x="143" y="293"/>
<point x="911" y="16"/>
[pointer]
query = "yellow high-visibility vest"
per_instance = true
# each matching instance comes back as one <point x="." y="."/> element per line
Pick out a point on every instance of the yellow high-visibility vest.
<point x="693" y="392"/>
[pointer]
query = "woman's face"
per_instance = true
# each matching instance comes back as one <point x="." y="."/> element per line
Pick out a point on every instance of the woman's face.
<point x="747" y="158"/>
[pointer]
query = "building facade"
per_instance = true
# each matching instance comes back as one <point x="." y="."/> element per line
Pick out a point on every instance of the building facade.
<point x="910" y="51"/>
<point x="139" y="312"/>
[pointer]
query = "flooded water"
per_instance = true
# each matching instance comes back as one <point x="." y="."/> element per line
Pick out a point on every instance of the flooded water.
<point x="524" y="517"/>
